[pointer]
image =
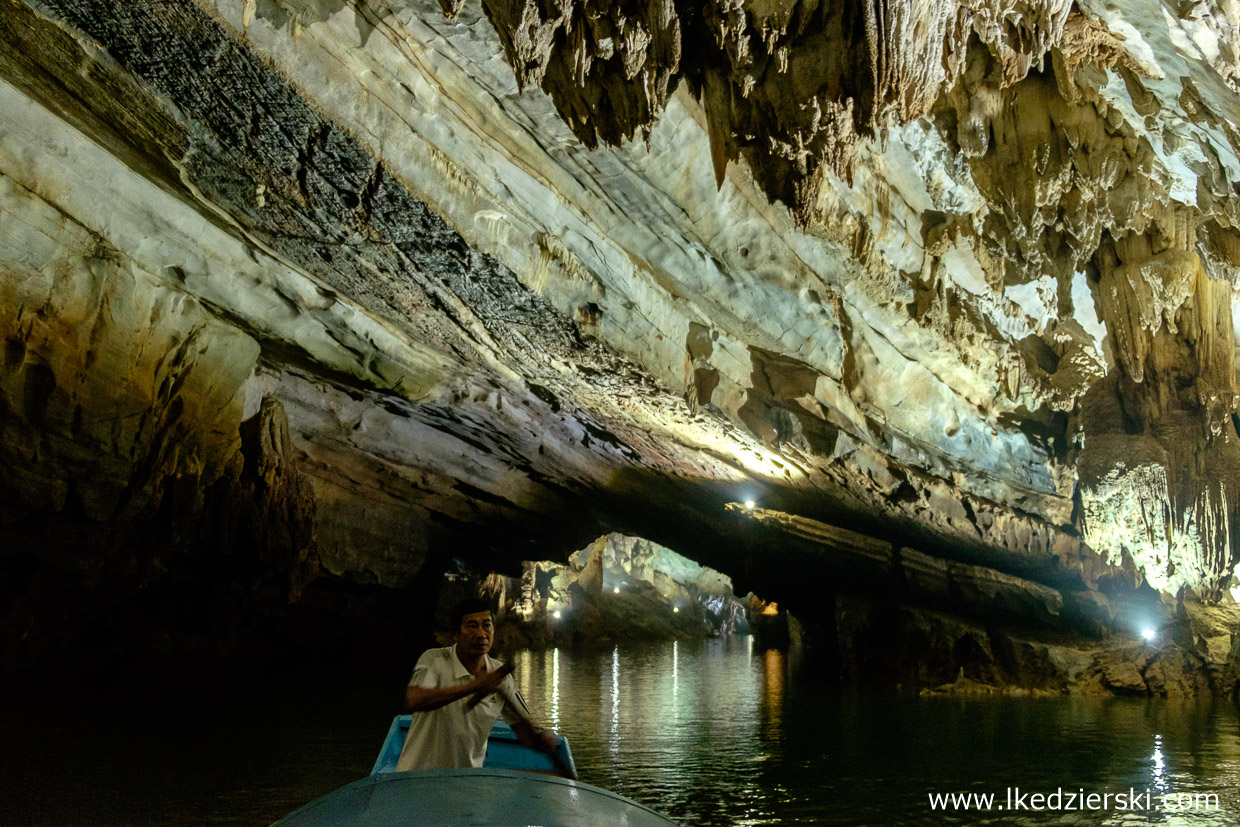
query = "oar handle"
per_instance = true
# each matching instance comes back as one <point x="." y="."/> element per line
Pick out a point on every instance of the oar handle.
<point x="476" y="698"/>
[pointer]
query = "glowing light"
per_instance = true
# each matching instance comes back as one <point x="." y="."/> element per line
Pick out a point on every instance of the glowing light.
<point x="557" y="614"/>
<point x="750" y="504"/>
<point x="1148" y="634"/>
<point x="616" y="590"/>
<point x="675" y="608"/>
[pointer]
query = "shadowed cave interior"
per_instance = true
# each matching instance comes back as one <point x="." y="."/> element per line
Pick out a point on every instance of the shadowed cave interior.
<point x="897" y="333"/>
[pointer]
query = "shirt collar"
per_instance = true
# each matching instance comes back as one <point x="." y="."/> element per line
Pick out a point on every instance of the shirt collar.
<point x="458" y="669"/>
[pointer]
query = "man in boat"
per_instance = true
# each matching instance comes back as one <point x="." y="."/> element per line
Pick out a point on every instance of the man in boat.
<point x="457" y="692"/>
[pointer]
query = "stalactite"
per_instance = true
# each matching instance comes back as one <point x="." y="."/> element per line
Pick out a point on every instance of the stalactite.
<point x="793" y="87"/>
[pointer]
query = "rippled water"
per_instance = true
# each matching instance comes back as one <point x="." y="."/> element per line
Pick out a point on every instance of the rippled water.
<point x="709" y="733"/>
<point x="718" y="733"/>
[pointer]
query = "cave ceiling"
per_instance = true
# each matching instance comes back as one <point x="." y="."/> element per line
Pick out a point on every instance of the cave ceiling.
<point x="959" y="270"/>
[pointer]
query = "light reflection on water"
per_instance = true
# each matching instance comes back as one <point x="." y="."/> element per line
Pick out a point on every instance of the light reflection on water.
<point x="675" y="676"/>
<point x="718" y="733"/>
<point x="614" y="733"/>
<point x="708" y="732"/>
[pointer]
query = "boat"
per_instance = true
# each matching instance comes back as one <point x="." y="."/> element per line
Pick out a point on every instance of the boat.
<point x="504" y="752"/>
<point x="515" y="785"/>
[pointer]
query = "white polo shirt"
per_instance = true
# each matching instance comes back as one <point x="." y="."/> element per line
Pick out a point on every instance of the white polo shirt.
<point x="453" y="736"/>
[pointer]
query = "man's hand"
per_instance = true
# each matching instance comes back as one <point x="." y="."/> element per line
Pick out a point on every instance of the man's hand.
<point x="544" y="741"/>
<point x="547" y="742"/>
<point x="426" y="698"/>
<point x="486" y="683"/>
<point x="489" y="681"/>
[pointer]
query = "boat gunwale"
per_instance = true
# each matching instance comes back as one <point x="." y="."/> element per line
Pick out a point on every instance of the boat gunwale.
<point x="470" y="772"/>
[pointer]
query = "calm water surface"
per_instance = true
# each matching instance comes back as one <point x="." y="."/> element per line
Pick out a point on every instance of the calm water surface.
<point x="709" y="733"/>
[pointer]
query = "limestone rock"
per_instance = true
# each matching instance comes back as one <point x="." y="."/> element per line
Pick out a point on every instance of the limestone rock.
<point x="1122" y="672"/>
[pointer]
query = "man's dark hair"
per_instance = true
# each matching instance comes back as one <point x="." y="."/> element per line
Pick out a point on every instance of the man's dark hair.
<point x="468" y="606"/>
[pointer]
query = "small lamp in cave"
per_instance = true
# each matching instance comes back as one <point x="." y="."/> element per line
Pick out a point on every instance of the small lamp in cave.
<point x="675" y="608"/>
<point x="556" y="614"/>
<point x="1148" y="634"/>
<point x="616" y="590"/>
<point x="749" y="504"/>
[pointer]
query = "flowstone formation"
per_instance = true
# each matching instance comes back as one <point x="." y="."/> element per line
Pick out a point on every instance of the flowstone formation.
<point x="957" y="277"/>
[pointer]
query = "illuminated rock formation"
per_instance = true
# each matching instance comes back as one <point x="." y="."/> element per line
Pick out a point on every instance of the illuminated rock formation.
<point x="619" y="588"/>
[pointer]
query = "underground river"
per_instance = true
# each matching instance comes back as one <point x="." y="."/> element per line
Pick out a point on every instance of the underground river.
<point x="713" y="732"/>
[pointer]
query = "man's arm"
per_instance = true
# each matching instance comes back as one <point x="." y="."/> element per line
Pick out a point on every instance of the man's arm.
<point x="539" y="739"/>
<point x="517" y="715"/>
<point x="426" y="698"/>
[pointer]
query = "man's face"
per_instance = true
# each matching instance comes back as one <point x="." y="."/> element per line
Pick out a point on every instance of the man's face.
<point x="476" y="633"/>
